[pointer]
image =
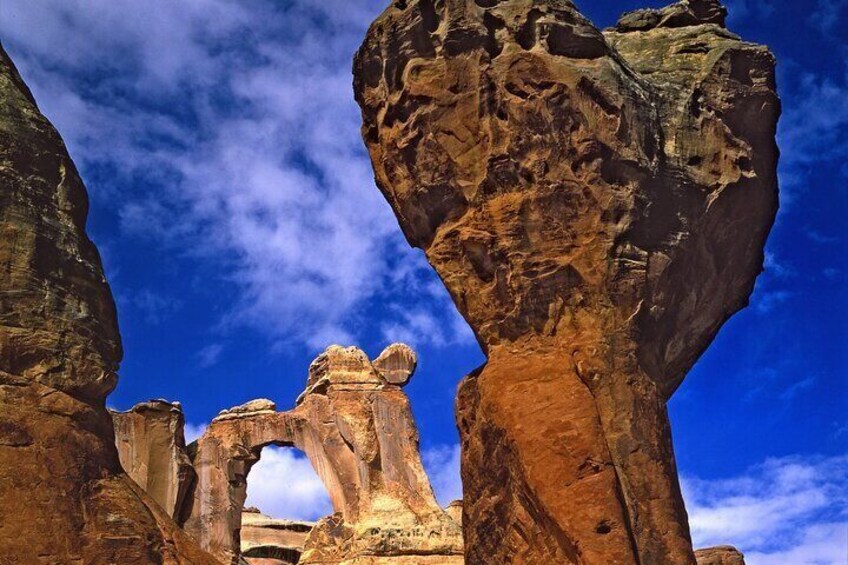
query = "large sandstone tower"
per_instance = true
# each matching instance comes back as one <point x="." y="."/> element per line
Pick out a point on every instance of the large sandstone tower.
<point x="63" y="495"/>
<point x="597" y="205"/>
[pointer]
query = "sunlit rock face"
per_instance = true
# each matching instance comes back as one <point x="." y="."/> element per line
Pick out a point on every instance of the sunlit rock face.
<point x="152" y="450"/>
<point x="597" y="204"/>
<point x="722" y="555"/>
<point x="269" y="541"/>
<point x="63" y="495"/>
<point x="356" y="427"/>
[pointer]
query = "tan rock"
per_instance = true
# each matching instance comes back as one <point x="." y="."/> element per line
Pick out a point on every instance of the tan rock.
<point x="396" y="364"/>
<point x="454" y="510"/>
<point x="267" y="541"/>
<point x="722" y="555"/>
<point x="152" y="450"/>
<point x="63" y="495"/>
<point x="597" y="206"/>
<point x="357" y="430"/>
<point x="252" y="407"/>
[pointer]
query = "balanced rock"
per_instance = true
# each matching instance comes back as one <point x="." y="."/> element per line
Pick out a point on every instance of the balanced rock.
<point x="597" y="205"/>
<point x="396" y="364"/>
<point x="63" y="495"/>
<point x="151" y="446"/>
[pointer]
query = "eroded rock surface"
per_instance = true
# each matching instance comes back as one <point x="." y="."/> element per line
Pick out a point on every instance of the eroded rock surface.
<point x="63" y="495"/>
<point x="152" y="450"/>
<point x="597" y="205"/>
<point x="722" y="555"/>
<point x="357" y="430"/>
<point x="266" y="541"/>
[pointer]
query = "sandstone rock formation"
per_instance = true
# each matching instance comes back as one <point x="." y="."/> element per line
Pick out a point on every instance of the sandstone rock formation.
<point x="152" y="450"/>
<point x="722" y="555"/>
<point x="356" y="428"/>
<point x="266" y="541"/>
<point x="63" y="495"/>
<point x="454" y="510"/>
<point x="597" y="205"/>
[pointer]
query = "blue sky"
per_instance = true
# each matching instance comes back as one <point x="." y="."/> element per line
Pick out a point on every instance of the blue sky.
<point x="234" y="206"/>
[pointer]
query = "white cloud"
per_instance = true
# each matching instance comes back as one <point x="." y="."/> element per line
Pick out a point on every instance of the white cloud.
<point x="765" y="302"/>
<point x="283" y="484"/>
<point x="820" y="544"/>
<point x="209" y="354"/>
<point x="234" y="138"/>
<point x="813" y="125"/>
<point x="442" y="464"/>
<point x="193" y="432"/>
<point x="790" y="510"/>
<point x="812" y="129"/>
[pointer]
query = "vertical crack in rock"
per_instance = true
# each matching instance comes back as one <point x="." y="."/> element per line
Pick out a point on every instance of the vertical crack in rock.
<point x="597" y="204"/>
<point x="63" y="494"/>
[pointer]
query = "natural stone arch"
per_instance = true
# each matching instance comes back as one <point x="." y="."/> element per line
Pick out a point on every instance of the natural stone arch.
<point x="357" y="430"/>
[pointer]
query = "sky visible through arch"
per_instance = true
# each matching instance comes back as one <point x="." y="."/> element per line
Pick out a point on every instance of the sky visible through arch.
<point x="234" y="206"/>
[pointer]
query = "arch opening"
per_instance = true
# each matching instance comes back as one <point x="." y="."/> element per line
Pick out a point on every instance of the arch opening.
<point x="285" y="498"/>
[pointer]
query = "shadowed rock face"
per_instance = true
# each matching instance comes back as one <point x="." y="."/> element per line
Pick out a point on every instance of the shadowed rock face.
<point x="597" y="205"/>
<point x="357" y="430"/>
<point x="62" y="491"/>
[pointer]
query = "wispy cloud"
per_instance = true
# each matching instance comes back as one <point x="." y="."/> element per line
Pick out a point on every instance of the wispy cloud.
<point x="827" y="13"/>
<point x="766" y="301"/>
<point x="233" y="131"/>
<point x="813" y="129"/>
<point x="442" y="464"/>
<point x="817" y="236"/>
<point x="283" y="484"/>
<point x="742" y="10"/>
<point x="789" y="510"/>
<point x="776" y="267"/>
<point x="153" y="306"/>
<point x="209" y="354"/>
<point x="193" y="431"/>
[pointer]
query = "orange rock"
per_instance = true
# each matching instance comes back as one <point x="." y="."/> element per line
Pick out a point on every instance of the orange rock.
<point x="597" y="205"/>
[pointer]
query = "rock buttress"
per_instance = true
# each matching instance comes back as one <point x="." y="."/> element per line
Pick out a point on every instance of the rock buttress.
<point x="64" y="496"/>
<point x="152" y="450"/>
<point x="597" y="205"/>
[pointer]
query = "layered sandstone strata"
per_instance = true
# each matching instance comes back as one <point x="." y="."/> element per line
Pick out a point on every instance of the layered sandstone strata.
<point x="63" y="495"/>
<point x="266" y="541"/>
<point x="597" y="205"/>
<point x="356" y="427"/>
<point x="152" y="450"/>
